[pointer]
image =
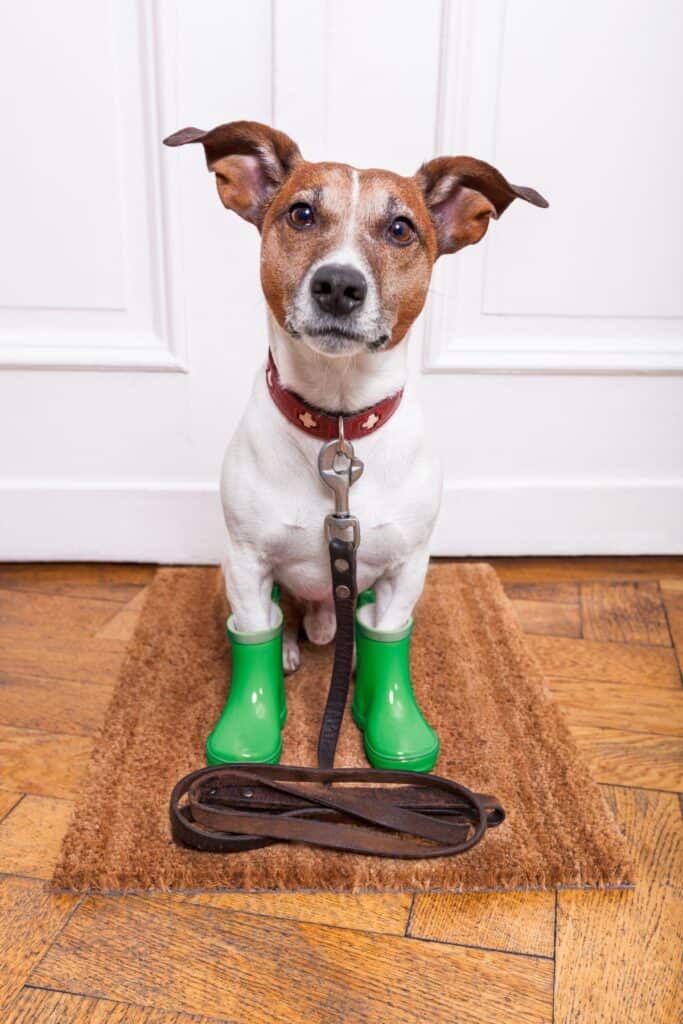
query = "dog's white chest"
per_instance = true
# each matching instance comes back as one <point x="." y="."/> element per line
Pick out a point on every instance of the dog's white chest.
<point x="275" y="501"/>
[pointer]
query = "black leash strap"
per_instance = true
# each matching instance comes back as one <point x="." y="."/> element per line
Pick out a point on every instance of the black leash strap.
<point x="343" y="566"/>
<point x="234" y="808"/>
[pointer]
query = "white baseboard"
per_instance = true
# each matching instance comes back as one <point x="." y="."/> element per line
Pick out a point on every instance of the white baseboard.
<point x="182" y="523"/>
<point x="111" y="522"/>
<point x="576" y="517"/>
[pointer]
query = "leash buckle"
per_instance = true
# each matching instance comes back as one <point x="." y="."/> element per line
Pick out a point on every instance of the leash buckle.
<point x="337" y="528"/>
<point x="339" y="469"/>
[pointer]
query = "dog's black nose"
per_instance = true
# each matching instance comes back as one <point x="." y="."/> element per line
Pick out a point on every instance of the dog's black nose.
<point x="338" y="289"/>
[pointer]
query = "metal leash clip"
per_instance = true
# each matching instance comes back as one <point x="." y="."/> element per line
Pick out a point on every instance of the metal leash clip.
<point x="339" y="469"/>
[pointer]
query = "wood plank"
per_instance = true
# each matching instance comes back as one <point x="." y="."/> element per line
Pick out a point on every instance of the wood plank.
<point x="46" y="764"/>
<point x="368" y="912"/>
<point x="654" y="832"/>
<point x="594" y="660"/>
<point x="620" y="706"/>
<point x="514" y="922"/>
<point x="547" y="618"/>
<point x="90" y="661"/>
<point x="23" y="615"/>
<point x="672" y="592"/>
<point x="615" y="957"/>
<point x="618" y="953"/>
<point x="31" y="836"/>
<point x="567" y="570"/>
<point x="113" y="593"/>
<point x="136" y="949"/>
<point x="632" y="758"/>
<point x="30" y="918"/>
<point x="40" y="1006"/>
<point x="8" y="800"/>
<point x="52" y="705"/>
<point x="674" y="585"/>
<point x="84" y="574"/>
<point x="627" y="613"/>
<point x="122" y="625"/>
<point x="558" y="593"/>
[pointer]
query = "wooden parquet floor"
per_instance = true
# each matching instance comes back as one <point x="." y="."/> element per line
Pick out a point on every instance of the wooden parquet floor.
<point x="609" y="635"/>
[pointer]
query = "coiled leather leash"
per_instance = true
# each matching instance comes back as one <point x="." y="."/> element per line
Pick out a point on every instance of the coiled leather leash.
<point x="233" y="808"/>
<point x="238" y="807"/>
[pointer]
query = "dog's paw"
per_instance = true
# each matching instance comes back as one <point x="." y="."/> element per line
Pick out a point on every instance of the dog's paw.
<point x="291" y="655"/>
<point x="320" y="623"/>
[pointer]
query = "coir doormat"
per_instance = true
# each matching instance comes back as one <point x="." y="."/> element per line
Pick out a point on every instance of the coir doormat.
<point x="474" y="679"/>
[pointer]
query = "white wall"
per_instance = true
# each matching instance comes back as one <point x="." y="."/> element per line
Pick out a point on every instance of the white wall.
<point x="130" y="314"/>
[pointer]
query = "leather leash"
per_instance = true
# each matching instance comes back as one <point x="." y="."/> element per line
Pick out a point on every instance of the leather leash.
<point x="234" y="808"/>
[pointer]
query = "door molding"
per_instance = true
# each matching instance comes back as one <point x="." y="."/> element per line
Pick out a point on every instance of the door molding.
<point x="462" y="332"/>
<point x="145" y="331"/>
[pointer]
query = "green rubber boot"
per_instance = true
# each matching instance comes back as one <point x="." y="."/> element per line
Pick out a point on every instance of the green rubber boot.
<point x="250" y="726"/>
<point x="395" y="732"/>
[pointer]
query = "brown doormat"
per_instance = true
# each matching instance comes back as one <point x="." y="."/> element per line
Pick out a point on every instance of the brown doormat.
<point x="476" y="683"/>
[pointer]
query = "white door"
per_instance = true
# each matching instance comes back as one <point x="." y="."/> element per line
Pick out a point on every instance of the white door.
<point x="131" y="323"/>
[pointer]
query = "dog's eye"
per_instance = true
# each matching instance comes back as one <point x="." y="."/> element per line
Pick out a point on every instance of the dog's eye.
<point x="300" y="215"/>
<point x="401" y="231"/>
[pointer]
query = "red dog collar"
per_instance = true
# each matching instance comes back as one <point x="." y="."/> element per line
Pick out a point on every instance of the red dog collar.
<point x="325" y="425"/>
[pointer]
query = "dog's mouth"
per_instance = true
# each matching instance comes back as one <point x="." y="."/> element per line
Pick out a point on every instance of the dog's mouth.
<point x="333" y="337"/>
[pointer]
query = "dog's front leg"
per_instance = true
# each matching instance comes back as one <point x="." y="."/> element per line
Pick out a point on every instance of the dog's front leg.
<point x="248" y="586"/>
<point x="398" y="590"/>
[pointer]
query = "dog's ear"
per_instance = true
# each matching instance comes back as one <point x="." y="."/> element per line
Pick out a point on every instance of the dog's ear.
<point x="462" y="194"/>
<point x="250" y="161"/>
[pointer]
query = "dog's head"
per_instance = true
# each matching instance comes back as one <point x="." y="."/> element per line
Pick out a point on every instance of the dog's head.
<point x="346" y="255"/>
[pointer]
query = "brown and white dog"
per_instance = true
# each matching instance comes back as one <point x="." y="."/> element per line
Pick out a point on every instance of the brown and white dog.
<point x="346" y="259"/>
